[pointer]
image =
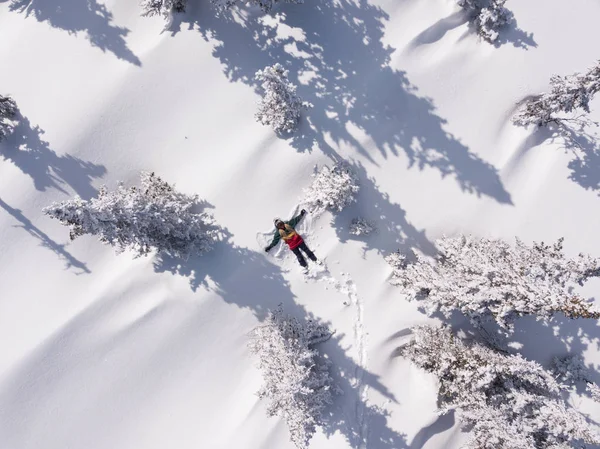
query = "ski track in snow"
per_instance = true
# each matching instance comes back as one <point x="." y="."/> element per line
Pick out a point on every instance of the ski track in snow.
<point x="348" y="287"/>
<point x="361" y="346"/>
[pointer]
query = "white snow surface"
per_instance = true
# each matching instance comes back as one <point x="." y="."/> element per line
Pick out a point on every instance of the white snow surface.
<point x="106" y="351"/>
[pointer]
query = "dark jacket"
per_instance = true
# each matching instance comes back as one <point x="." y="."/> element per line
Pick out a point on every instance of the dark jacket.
<point x="289" y="234"/>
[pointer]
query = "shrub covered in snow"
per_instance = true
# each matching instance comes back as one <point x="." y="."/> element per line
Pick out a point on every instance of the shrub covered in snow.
<point x="8" y="113"/>
<point x="264" y="5"/>
<point x="567" y="93"/>
<point x="332" y="188"/>
<point x="151" y="217"/>
<point x="280" y="106"/>
<point x="162" y="7"/>
<point x="489" y="16"/>
<point x="505" y="401"/>
<point x="361" y="226"/>
<point x="297" y="382"/>
<point x="487" y="278"/>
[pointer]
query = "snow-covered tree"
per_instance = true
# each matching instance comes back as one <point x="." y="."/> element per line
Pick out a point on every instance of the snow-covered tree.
<point x="332" y="188"/>
<point x="489" y="16"/>
<point x="162" y="7"/>
<point x="280" y="106"/>
<point x="361" y="226"/>
<point x="8" y="114"/>
<point x="264" y="5"/>
<point x="490" y="279"/>
<point x="297" y="383"/>
<point x="505" y="401"/>
<point x="152" y="217"/>
<point x="567" y="94"/>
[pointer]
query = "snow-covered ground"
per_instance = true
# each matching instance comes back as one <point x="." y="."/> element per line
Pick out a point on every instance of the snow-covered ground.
<point x="105" y="351"/>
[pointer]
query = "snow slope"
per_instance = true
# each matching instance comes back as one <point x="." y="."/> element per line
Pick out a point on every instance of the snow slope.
<point x="106" y="351"/>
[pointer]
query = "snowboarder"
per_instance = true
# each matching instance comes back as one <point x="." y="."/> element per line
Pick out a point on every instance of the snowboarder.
<point x="286" y="231"/>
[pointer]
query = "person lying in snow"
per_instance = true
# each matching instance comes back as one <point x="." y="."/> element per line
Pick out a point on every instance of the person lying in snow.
<point x="286" y="231"/>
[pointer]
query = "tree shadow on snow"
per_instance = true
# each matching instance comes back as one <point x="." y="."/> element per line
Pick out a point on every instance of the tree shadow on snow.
<point x="335" y="54"/>
<point x="77" y="16"/>
<point x="579" y="142"/>
<point x="249" y="280"/>
<point x="439" y="29"/>
<point x="394" y="231"/>
<point x="45" y="241"/>
<point x="32" y="155"/>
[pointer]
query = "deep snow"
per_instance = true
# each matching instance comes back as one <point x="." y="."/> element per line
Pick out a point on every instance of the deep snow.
<point x="100" y="350"/>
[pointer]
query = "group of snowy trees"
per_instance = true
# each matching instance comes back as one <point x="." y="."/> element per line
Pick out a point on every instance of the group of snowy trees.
<point x="488" y="16"/>
<point x="504" y="400"/>
<point x="152" y="217"/>
<point x="333" y="188"/>
<point x="280" y="106"/>
<point x="297" y="383"/>
<point x="488" y="279"/>
<point x="567" y="94"/>
<point x="166" y="8"/>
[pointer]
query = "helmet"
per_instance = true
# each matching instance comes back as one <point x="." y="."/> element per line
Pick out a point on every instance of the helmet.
<point x="276" y="221"/>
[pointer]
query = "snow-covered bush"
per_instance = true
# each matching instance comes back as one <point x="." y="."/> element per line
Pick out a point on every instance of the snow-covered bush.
<point x="142" y="219"/>
<point x="567" y="93"/>
<point x="489" y="16"/>
<point x="162" y="7"/>
<point x="332" y="188"/>
<point x="264" y="5"/>
<point x="361" y="226"/>
<point x="490" y="279"/>
<point x="280" y="106"/>
<point x="297" y="382"/>
<point x="505" y="401"/>
<point x="8" y="114"/>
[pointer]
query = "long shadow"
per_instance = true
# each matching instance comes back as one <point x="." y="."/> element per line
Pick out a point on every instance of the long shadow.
<point x="80" y="16"/>
<point x="249" y="280"/>
<point x="32" y="155"/>
<point x="440" y="425"/>
<point x="45" y="241"/>
<point x="585" y="149"/>
<point x="439" y="29"/>
<point x="394" y="231"/>
<point x="578" y="141"/>
<point x="334" y="52"/>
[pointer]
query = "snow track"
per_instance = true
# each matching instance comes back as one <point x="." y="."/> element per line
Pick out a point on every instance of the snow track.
<point x="348" y="287"/>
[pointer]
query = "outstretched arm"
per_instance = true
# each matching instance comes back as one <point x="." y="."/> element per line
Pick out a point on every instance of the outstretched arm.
<point x="275" y="241"/>
<point x="294" y="221"/>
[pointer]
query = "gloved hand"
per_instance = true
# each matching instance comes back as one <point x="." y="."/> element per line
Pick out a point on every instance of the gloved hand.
<point x="303" y="212"/>
<point x="267" y="248"/>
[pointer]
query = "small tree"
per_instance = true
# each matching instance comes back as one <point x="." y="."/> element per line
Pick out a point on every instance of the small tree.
<point x="152" y="217"/>
<point x="297" y="383"/>
<point x="361" y="226"/>
<point x="505" y="401"/>
<point x="8" y="114"/>
<point x="162" y="7"/>
<point x="489" y="16"/>
<point x="489" y="279"/>
<point x="264" y="5"/>
<point x="280" y="106"/>
<point x="332" y="188"/>
<point x="567" y="94"/>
